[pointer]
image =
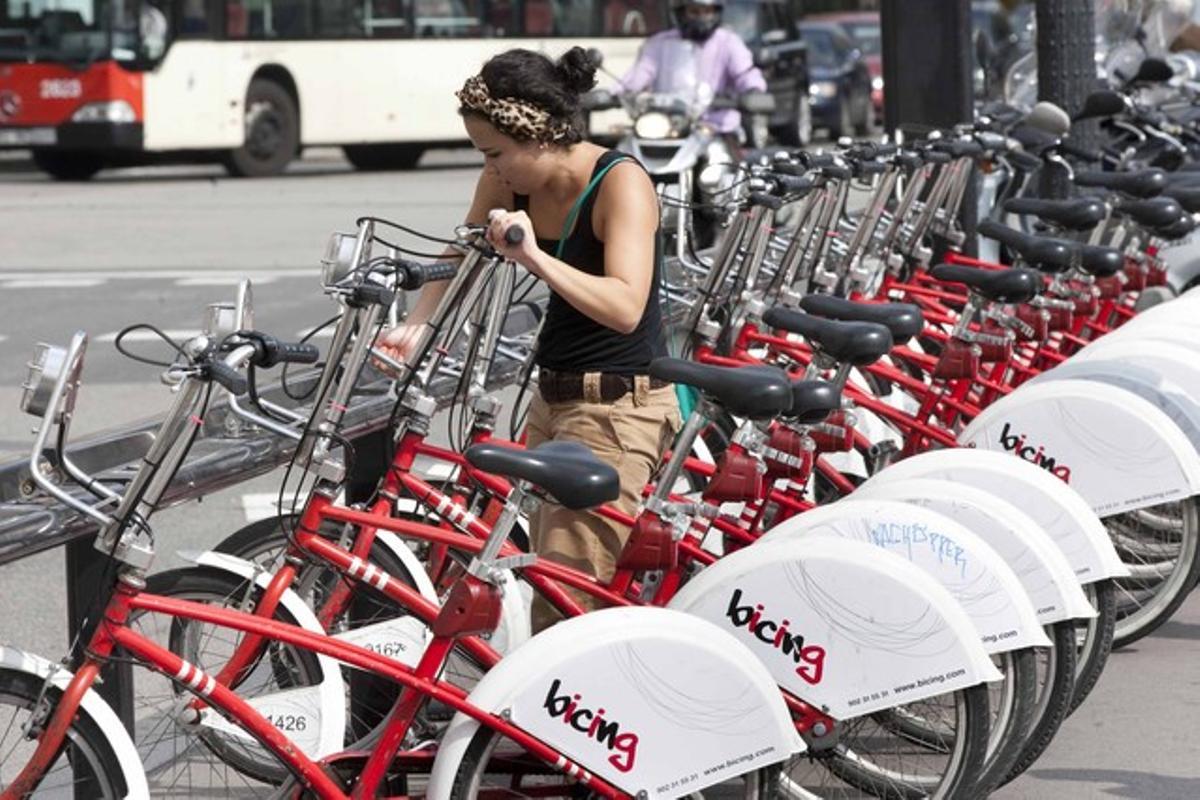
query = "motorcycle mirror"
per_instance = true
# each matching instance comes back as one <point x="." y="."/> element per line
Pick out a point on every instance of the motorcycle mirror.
<point x="757" y="103"/>
<point x="1153" y="70"/>
<point x="1104" y="103"/>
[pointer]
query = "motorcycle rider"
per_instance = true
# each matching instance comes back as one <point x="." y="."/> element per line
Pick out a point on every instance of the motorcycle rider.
<point x="723" y="59"/>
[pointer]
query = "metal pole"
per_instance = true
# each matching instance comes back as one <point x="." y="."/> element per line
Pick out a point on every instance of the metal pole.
<point x="1066" y="52"/>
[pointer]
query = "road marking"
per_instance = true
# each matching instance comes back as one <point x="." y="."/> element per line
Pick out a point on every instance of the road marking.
<point x="143" y="335"/>
<point x="42" y="276"/>
<point x="324" y="333"/>
<point x="51" y="283"/>
<point x="223" y="280"/>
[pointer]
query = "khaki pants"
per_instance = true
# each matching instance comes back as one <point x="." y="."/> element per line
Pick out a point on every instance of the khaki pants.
<point x="631" y="434"/>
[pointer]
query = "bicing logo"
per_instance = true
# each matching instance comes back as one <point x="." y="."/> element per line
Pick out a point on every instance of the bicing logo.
<point x="592" y="724"/>
<point x="810" y="659"/>
<point x="1018" y="445"/>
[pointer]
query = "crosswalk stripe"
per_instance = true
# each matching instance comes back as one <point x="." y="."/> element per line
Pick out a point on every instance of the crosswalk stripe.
<point x="50" y="283"/>
<point x="43" y="276"/>
<point x="223" y="280"/>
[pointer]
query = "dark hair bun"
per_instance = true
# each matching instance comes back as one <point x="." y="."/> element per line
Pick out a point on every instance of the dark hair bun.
<point x="578" y="70"/>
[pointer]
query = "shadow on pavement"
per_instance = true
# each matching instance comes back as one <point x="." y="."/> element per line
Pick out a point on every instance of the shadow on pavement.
<point x="1126" y="783"/>
<point x="1189" y="631"/>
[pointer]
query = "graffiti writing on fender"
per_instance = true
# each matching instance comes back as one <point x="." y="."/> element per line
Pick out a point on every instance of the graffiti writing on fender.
<point x="752" y="617"/>
<point x="907" y="535"/>
<point x="592" y="724"/>
<point x="1018" y="445"/>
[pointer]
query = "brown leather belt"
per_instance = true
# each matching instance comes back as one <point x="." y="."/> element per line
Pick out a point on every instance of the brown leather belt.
<point x="592" y="387"/>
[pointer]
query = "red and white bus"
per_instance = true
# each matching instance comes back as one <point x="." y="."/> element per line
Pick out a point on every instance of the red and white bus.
<point x="92" y="83"/>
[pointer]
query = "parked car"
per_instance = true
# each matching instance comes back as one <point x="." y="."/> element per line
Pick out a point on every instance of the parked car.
<point x="864" y="29"/>
<point x="769" y="29"/>
<point x="839" y="80"/>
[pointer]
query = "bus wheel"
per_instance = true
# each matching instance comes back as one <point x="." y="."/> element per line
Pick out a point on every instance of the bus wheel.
<point x="378" y="157"/>
<point x="272" y="132"/>
<point x="66" y="165"/>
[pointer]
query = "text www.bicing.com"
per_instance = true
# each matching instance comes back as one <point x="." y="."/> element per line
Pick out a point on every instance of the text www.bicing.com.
<point x="922" y="682"/>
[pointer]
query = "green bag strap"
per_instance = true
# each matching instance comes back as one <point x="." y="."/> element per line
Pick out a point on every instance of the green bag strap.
<point x="573" y="214"/>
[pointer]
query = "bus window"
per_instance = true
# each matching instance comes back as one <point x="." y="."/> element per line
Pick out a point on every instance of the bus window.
<point x="447" y="18"/>
<point x="192" y="19"/>
<point x="268" y="19"/>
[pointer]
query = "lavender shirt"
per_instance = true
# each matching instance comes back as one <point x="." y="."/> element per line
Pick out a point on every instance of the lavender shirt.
<point x="725" y="64"/>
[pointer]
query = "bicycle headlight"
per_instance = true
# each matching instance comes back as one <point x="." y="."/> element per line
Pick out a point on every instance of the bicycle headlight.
<point x="338" y="261"/>
<point x="652" y="125"/>
<point x="45" y="368"/>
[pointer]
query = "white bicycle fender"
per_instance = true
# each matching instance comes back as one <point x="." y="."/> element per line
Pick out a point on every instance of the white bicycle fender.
<point x="1056" y="507"/>
<point x="99" y="710"/>
<point x="841" y="624"/>
<point x="1041" y="567"/>
<point x="974" y="574"/>
<point x="1114" y="448"/>
<point x="658" y="701"/>
<point x="330" y="694"/>
<point x="1160" y="382"/>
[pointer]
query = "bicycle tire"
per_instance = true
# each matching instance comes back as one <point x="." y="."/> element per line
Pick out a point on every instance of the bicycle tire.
<point x="959" y="777"/>
<point x="1095" y="638"/>
<point x="87" y="740"/>
<point x="1141" y="619"/>
<point x="167" y="746"/>
<point x="762" y="784"/>
<point x="1053" y="702"/>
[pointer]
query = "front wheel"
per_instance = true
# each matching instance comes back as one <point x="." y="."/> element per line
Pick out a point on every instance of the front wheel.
<point x="272" y="136"/>
<point x="68" y="165"/>
<point x="494" y="764"/>
<point x="85" y="767"/>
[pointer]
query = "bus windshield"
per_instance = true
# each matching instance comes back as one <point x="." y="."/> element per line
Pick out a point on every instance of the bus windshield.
<point x="81" y="31"/>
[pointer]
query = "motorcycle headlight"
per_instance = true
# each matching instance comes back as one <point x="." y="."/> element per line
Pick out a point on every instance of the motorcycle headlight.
<point x="711" y="177"/>
<point x="877" y="83"/>
<point x="652" y="125"/>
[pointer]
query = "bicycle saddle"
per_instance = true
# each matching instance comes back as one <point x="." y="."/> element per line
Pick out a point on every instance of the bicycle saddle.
<point x="1143" y="183"/>
<point x="1185" y="192"/>
<point x="1100" y="261"/>
<point x="1157" y="212"/>
<point x="1078" y="214"/>
<point x="999" y="286"/>
<point x="568" y="471"/>
<point x="857" y="343"/>
<point x="813" y="401"/>
<point x="755" y="392"/>
<point x="1177" y="229"/>
<point x="1040" y="252"/>
<point x="904" y="320"/>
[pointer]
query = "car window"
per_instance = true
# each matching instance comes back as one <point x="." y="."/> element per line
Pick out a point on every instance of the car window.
<point x="821" y="49"/>
<point x="866" y="36"/>
<point x="742" y="18"/>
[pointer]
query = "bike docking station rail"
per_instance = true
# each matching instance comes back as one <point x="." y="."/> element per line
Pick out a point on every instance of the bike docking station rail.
<point x="228" y="451"/>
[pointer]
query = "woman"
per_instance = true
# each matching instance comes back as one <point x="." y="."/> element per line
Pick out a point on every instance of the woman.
<point x="590" y="218"/>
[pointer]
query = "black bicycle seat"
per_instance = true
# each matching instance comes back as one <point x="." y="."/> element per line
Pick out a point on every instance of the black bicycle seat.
<point x="568" y="471"/>
<point x="904" y="320"/>
<point x="1143" y="183"/>
<point x="1039" y="252"/>
<point x="1077" y="214"/>
<point x="1157" y="212"/>
<point x="999" y="286"/>
<point x="1186" y="193"/>
<point x="813" y="401"/>
<point x="1177" y="229"/>
<point x="857" y="343"/>
<point x="755" y="392"/>
<point x="1100" y="261"/>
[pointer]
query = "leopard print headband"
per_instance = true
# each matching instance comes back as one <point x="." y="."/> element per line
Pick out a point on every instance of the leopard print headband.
<point x="519" y="119"/>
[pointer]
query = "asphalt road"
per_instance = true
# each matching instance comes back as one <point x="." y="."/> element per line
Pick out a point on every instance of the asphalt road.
<point x="156" y="245"/>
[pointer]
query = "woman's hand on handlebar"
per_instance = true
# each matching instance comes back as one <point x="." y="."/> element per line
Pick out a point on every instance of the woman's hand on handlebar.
<point x="397" y="343"/>
<point x="511" y="234"/>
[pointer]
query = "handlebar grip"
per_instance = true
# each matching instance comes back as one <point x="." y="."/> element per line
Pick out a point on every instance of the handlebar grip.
<point x="814" y="160"/>
<point x="413" y="275"/>
<point x="769" y="200"/>
<point x="371" y="292"/>
<point x="789" y="168"/>
<point x="294" y="353"/>
<point x="1022" y="160"/>
<point x="514" y="235"/>
<point x="871" y="168"/>
<point x="227" y="376"/>
<point x="791" y="183"/>
<point x="937" y="157"/>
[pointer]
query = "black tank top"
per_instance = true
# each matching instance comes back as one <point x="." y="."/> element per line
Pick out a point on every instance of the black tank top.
<point x="573" y="342"/>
